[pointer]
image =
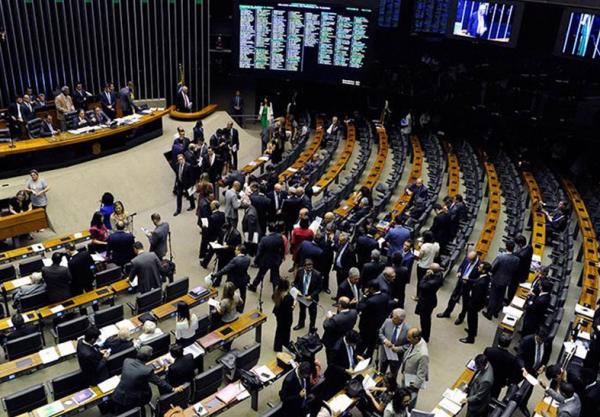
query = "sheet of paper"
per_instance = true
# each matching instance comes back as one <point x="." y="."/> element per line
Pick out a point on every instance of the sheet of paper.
<point x="134" y="282"/>
<point x="49" y="355"/>
<point x="455" y="395"/>
<point x="66" y="348"/>
<point x="200" y="410"/>
<point x="390" y="354"/>
<point x="252" y="163"/>
<point x="242" y="395"/>
<point x="526" y="285"/>
<point x="98" y="258"/>
<point x="518" y="302"/>
<point x="362" y="365"/>
<point x="47" y="261"/>
<point x="340" y="403"/>
<point x="381" y="241"/>
<point x="216" y="245"/>
<point x="77" y="235"/>
<point x="531" y="379"/>
<point x="264" y="373"/>
<point x="584" y="311"/>
<point x="294" y="292"/>
<point x="38" y="247"/>
<point x="438" y="412"/>
<point x="125" y="324"/>
<point x="511" y="311"/>
<point x="51" y="409"/>
<point x="19" y="282"/>
<point x="584" y="335"/>
<point x="314" y="226"/>
<point x="213" y="303"/>
<point x="316" y="189"/>
<point x="292" y="170"/>
<point x="449" y="406"/>
<point x="109" y="384"/>
<point x="204" y="221"/>
<point x="368" y="382"/>
<point x="509" y="320"/>
<point x="194" y="349"/>
<point x="107" y="331"/>
<point x="57" y="309"/>
<point x="264" y="158"/>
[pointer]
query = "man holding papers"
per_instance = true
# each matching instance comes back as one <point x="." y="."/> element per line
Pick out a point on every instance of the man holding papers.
<point x="308" y="282"/>
<point x="480" y="388"/>
<point x="414" y="369"/>
<point x="343" y="361"/>
<point x="394" y="342"/>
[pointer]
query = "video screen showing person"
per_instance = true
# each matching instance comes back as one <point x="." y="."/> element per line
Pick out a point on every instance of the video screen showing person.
<point x="491" y="21"/>
<point x="581" y="35"/>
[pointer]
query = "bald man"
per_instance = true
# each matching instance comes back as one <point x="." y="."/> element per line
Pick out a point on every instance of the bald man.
<point x="414" y="368"/>
<point x="393" y="336"/>
<point x="467" y="271"/>
<point x="338" y="324"/>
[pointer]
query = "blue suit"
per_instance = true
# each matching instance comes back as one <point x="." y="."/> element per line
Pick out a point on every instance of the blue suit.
<point x="119" y="247"/>
<point x="395" y="238"/>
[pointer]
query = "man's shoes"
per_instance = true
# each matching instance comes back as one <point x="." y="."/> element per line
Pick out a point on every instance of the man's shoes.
<point x="177" y="213"/>
<point x="298" y="327"/>
<point x="327" y="291"/>
<point x="467" y="340"/>
<point x="459" y="321"/>
<point x="251" y="288"/>
<point x="443" y="315"/>
<point x="191" y="208"/>
<point x="486" y="315"/>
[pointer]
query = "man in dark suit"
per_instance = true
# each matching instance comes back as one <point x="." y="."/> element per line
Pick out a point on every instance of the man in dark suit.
<point x="126" y="96"/>
<point x="345" y="258"/>
<point x="344" y="357"/>
<point x="480" y="388"/>
<point x="533" y="352"/>
<point x="183" y="181"/>
<point x="119" y="246"/>
<point x="270" y="255"/>
<point x="234" y="143"/>
<point x="295" y="390"/>
<point x="474" y="297"/>
<point x="429" y="285"/>
<point x="338" y="324"/>
<point x="134" y="387"/>
<point x="308" y="282"/>
<point x="365" y="244"/>
<point x="250" y="227"/>
<point x="536" y="308"/>
<point x="458" y="213"/>
<point x="81" y="266"/>
<point x="57" y="279"/>
<point x="229" y="238"/>
<point x="351" y="287"/>
<point x="371" y="270"/>
<point x="524" y="252"/>
<point x="373" y="309"/>
<point x="213" y="232"/>
<point x="182" y="101"/>
<point x="277" y="197"/>
<point x="203" y="213"/>
<point x="146" y="267"/>
<point x="504" y="268"/>
<point x="291" y="209"/>
<point x="590" y="396"/>
<point x="47" y="128"/>
<point x="27" y="109"/>
<point x="466" y="271"/>
<point x="325" y="238"/>
<point x="237" y="108"/>
<point x="92" y="360"/>
<point x="212" y="165"/>
<point x="505" y="365"/>
<point x="237" y="272"/>
<point x="262" y="204"/>
<point x="81" y="98"/>
<point x="442" y="225"/>
<point x="182" y="370"/>
<point x="108" y="99"/>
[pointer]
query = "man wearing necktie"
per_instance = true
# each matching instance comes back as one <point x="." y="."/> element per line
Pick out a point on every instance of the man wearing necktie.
<point x="308" y="282"/>
<point x="466" y="271"/>
<point x="340" y="366"/>
<point x="237" y="108"/>
<point x="533" y="355"/>
<point x="295" y="390"/>
<point x="183" y="181"/>
<point x="345" y="258"/>
<point x="394" y="341"/>
<point x="183" y="103"/>
<point x="234" y="143"/>
<point x="338" y="324"/>
<point x="108" y="99"/>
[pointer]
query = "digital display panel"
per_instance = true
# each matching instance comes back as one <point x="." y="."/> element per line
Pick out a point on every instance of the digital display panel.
<point x="579" y="35"/>
<point x="431" y="16"/>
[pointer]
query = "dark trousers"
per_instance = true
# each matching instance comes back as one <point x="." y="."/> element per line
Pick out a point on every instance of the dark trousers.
<point x="234" y="160"/>
<point x="512" y="289"/>
<point x="368" y="339"/>
<point x="312" y="313"/>
<point x="496" y="300"/>
<point x="251" y="248"/>
<point x="237" y="116"/>
<point x="341" y="274"/>
<point x="179" y="189"/>
<point x="472" y="322"/>
<point x="425" y="320"/>
<point x="324" y="270"/>
<point x="262" y="271"/>
<point x="204" y="243"/>
<point x="393" y="365"/>
<point x="283" y="333"/>
<point x="240" y="307"/>
<point x="420" y="274"/>
<point x="455" y="297"/>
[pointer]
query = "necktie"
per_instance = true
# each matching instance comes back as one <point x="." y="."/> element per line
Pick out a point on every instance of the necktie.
<point x="276" y="201"/>
<point x="350" y="356"/>
<point x="237" y="101"/>
<point x="306" y="282"/>
<point x="186" y="100"/>
<point x="108" y="97"/>
<point x="354" y="291"/>
<point x="539" y="351"/>
<point x="180" y="171"/>
<point x="395" y="334"/>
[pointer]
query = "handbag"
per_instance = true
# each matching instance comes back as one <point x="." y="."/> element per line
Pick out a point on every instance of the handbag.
<point x="250" y="380"/>
<point x="354" y="387"/>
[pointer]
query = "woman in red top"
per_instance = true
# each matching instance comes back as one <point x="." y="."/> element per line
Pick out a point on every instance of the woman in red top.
<point x="98" y="233"/>
<point x="299" y="235"/>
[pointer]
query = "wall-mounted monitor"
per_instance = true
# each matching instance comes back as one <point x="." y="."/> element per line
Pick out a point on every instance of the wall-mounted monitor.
<point x="324" y="41"/>
<point x="431" y="16"/>
<point x="579" y="35"/>
<point x="495" y="21"/>
<point x="389" y="13"/>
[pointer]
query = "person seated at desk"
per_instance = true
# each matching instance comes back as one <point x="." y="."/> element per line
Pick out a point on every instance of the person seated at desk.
<point x="182" y="370"/>
<point x="149" y="331"/>
<point x="119" y="247"/>
<point x="417" y="190"/>
<point x="557" y="221"/>
<point x="226" y="311"/>
<point x="379" y="397"/>
<point x="119" y="342"/>
<point x="47" y="128"/>
<point x="21" y="329"/>
<point x="98" y="233"/>
<point x="99" y="117"/>
<point x="81" y="120"/>
<point x="37" y="286"/>
<point x="40" y="102"/>
<point x="20" y="203"/>
<point x="57" y="279"/>
<point x="186" y="325"/>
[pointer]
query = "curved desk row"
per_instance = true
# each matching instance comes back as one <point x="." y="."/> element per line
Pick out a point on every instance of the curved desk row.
<point x="493" y="212"/>
<point x="453" y="171"/>
<point x="48" y="245"/>
<point x="306" y="155"/>
<point x="67" y="148"/>
<point x="346" y="207"/>
<point x="200" y="114"/>
<point x="333" y="173"/>
<point x="415" y="172"/>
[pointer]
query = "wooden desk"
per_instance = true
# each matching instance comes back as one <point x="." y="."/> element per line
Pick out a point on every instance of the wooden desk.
<point x="226" y="333"/>
<point x="23" y="223"/>
<point x="453" y="171"/>
<point x="346" y="207"/>
<point x="415" y="172"/>
<point x="92" y="297"/>
<point x="30" y="363"/>
<point x="306" y="155"/>
<point x="200" y="114"/>
<point x="169" y="309"/>
<point x="493" y="212"/>
<point x="461" y="383"/>
<point x="378" y="378"/>
<point x="49" y="245"/>
<point x="541" y="407"/>
<point x="335" y="170"/>
<point x="29" y="316"/>
<point x="252" y="166"/>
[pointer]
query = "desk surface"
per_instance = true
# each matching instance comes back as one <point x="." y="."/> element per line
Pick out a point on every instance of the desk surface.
<point x="166" y="310"/>
<point x="49" y="245"/>
<point x="244" y="323"/>
<point x="197" y="115"/>
<point x="333" y="172"/>
<point x="493" y="213"/>
<point x="22" y="223"/>
<point x="304" y="156"/>
<point x="453" y="171"/>
<point x="26" y="364"/>
<point x="415" y="172"/>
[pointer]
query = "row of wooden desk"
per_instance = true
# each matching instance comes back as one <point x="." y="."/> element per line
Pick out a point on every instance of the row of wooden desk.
<point x="305" y="156"/>
<point x="22" y="223"/>
<point x="493" y="211"/>
<point x="415" y="173"/>
<point x="346" y="206"/>
<point x="453" y="171"/>
<point x="334" y="171"/>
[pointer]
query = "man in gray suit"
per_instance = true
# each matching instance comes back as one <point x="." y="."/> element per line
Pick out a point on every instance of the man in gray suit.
<point x="504" y="268"/>
<point x="134" y="387"/>
<point x="569" y="402"/>
<point x="146" y="267"/>
<point x="479" y="392"/>
<point x="159" y="237"/>
<point x="414" y="369"/>
<point x="232" y="203"/>
<point x="393" y="336"/>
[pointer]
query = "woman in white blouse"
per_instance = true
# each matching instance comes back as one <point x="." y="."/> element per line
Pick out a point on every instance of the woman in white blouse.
<point x="427" y="253"/>
<point x="186" y="325"/>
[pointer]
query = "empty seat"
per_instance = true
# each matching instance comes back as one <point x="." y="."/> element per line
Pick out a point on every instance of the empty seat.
<point x="173" y="399"/>
<point x="248" y="357"/>
<point x="68" y="384"/>
<point x="30" y="266"/>
<point x="26" y="400"/>
<point x="33" y="301"/>
<point x="109" y="315"/>
<point x="177" y="289"/>
<point x="146" y="301"/>
<point x="71" y="329"/>
<point x="207" y="383"/>
<point x="108" y="276"/>
<point x="23" y="346"/>
<point x="7" y="272"/>
<point x="160" y="344"/>
<point x="114" y="364"/>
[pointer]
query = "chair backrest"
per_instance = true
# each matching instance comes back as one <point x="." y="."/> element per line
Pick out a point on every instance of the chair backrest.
<point x="7" y="272"/>
<point x="26" y="400"/>
<point x="34" y="126"/>
<point x="148" y="300"/>
<point x="114" y="364"/>
<point x="33" y="301"/>
<point x="109" y="315"/>
<point x="207" y="383"/>
<point x="108" y="276"/>
<point x="248" y="357"/>
<point x="160" y="344"/>
<point x="181" y="399"/>
<point x="70" y="119"/>
<point x="136" y="412"/>
<point x="68" y="384"/>
<point x="177" y="289"/>
<point x="23" y="346"/>
<point x="203" y="325"/>
<point x="30" y="266"/>
<point x="72" y="329"/>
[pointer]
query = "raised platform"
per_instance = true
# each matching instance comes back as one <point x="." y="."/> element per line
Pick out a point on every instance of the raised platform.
<point x="200" y="114"/>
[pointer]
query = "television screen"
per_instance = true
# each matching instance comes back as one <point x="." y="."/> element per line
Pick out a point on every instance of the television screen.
<point x="324" y="41"/>
<point x="494" y="21"/>
<point x="579" y="35"/>
<point x="431" y="16"/>
<point x="389" y="13"/>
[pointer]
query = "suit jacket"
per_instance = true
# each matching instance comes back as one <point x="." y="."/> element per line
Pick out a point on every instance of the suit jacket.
<point x="250" y="225"/>
<point x="27" y="111"/>
<point x="125" y="96"/>
<point x="526" y="354"/>
<point x="314" y="287"/>
<point x="108" y="101"/>
<point x="386" y="331"/>
<point x="477" y="291"/>
<point x="504" y="268"/>
<point x="428" y="298"/>
<point x="505" y="366"/>
<point x="234" y="137"/>
<point x="335" y="374"/>
<point x="215" y="223"/>
<point x="347" y="259"/>
<point x="590" y="400"/>
<point x="395" y="238"/>
<point x="281" y="198"/>
<point x="364" y="245"/>
<point x="181" y="371"/>
<point x="337" y="326"/>
<point x="271" y="251"/>
<point x="480" y="390"/>
<point x="159" y="240"/>
<point x="310" y="250"/>
<point x="187" y="176"/>
<point x="262" y="204"/>
<point x="292" y="404"/>
<point x="345" y="290"/>
<point x="290" y="209"/>
<point x="58" y="282"/>
<point x="524" y="254"/>
<point x="231" y="240"/>
<point x="232" y="204"/>
<point x="234" y="99"/>
<point x="566" y="408"/>
<point x="134" y="387"/>
<point x="64" y="104"/>
<point x="119" y="247"/>
<point x="81" y="267"/>
<point x="92" y="363"/>
<point x="373" y="312"/>
<point x="214" y="170"/>
<point x="535" y="312"/>
<point x="442" y="228"/>
<point x="236" y="271"/>
<point x="80" y="98"/>
<point x="415" y="363"/>
<point x="370" y="271"/>
<point x="99" y="119"/>
<point x="146" y="266"/>
<point x="180" y="102"/>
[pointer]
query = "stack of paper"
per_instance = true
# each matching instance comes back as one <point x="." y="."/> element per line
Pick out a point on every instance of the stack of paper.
<point x="264" y="158"/>
<point x="584" y="311"/>
<point x="106" y="332"/>
<point x="526" y="285"/>
<point x="57" y="309"/>
<point x="109" y="384"/>
<point x="19" y="282"/>
<point x="455" y="395"/>
<point x="49" y="355"/>
<point x="438" y="412"/>
<point x="194" y="349"/>
<point x="216" y="245"/>
<point x="362" y="365"/>
<point x="78" y="235"/>
<point x="316" y="189"/>
<point x="578" y="348"/>
<point x="200" y="410"/>
<point x="51" y="409"/>
<point x="512" y="311"/>
<point x="66" y="348"/>
<point x="340" y="403"/>
<point x="98" y="257"/>
<point x="450" y="406"/>
<point x="368" y="382"/>
<point x="264" y="373"/>
<point x="230" y="392"/>
<point x="213" y="303"/>
<point x="125" y="324"/>
<point x="518" y="302"/>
